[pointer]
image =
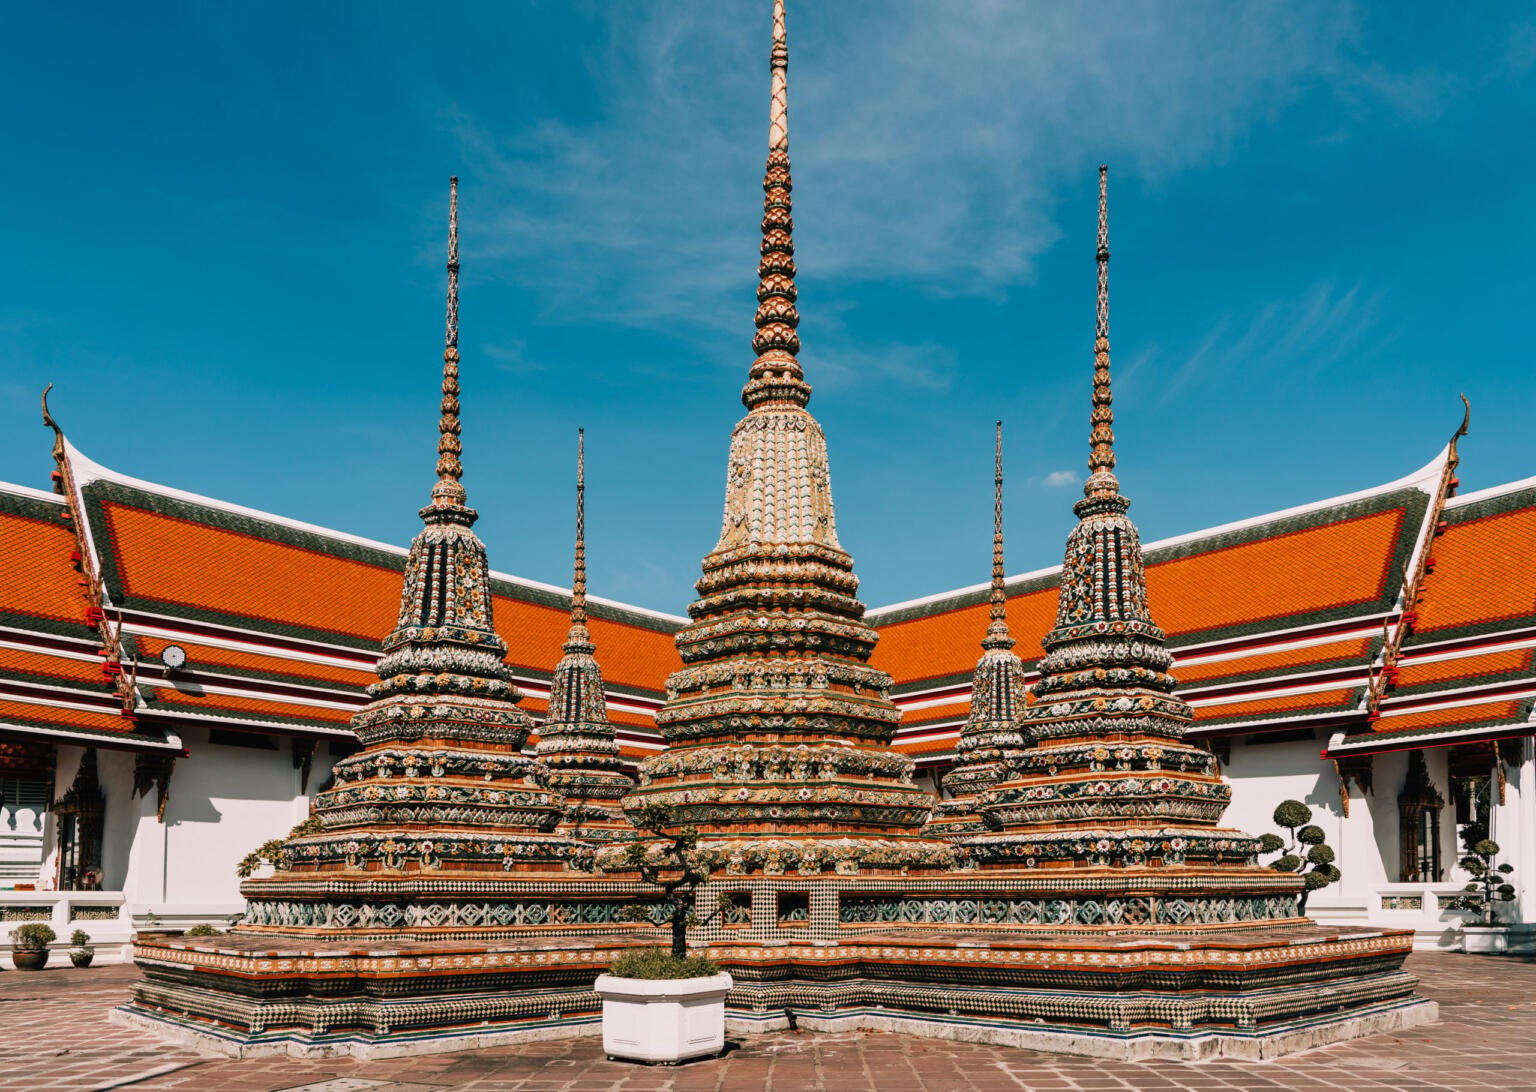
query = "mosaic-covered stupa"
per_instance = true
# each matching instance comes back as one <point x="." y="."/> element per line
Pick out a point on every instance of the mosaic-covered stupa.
<point x="445" y="898"/>
<point x="778" y="731"/>
<point x="577" y="744"/>
<point x="992" y="737"/>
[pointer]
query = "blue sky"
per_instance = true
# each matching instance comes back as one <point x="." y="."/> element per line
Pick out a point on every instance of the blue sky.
<point x="224" y="226"/>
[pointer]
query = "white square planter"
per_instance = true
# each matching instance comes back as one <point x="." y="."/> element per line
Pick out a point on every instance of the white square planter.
<point x="1485" y="939"/>
<point x="665" y="1019"/>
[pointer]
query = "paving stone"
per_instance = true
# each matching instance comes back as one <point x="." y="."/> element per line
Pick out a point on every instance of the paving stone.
<point x="57" y="1039"/>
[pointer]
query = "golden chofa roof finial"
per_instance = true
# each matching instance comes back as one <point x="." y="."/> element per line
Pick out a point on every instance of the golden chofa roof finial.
<point x="449" y="490"/>
<point x="776" y="377"/>
<point x="1101" y="456"/>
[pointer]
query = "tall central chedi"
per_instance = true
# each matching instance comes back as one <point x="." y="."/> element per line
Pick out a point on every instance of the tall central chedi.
<point x="778" y="730"/>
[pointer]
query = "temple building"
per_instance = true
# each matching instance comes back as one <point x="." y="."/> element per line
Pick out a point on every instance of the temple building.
<point x="446" y="752"/>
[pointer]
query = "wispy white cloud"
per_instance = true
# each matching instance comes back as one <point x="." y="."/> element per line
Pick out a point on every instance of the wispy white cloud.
<point x="1318" y="328"/>
<point x="934" y="138"/>
<point x="1056" y="479"/>
<point x="915" y="367"/>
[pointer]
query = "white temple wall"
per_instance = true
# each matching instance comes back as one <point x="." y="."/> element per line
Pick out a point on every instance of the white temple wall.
<point x="224" y="802"/>
<point x="1263" y="774"/>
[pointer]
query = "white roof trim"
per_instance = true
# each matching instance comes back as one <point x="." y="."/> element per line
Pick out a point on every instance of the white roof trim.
<point x="1491" y="491"/>
<point x="29" y="492"/>
<point x="1426" y="479"/>
<point x="88" y="470"/>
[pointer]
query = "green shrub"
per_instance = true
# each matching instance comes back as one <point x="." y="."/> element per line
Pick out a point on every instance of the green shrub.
<point x="203" y="931"/>
<point x="1292" y="814"/>
<point x="1488" y="887"/>
<point x="1303" y="851"/>
<point x="33" y="936"/>
<point x="79" y="938"/>
<point x="656" y="963"/>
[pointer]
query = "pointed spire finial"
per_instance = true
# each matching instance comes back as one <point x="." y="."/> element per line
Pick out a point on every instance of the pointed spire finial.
<point x="997" y="627"/>
<point x="776" y="376"/>
<point x="577" y="638"/>
<point x="1101" y="457"/>
<point x="449" y="490"/>
<point x="579" y="578"/>
<point x="778" y="106"/>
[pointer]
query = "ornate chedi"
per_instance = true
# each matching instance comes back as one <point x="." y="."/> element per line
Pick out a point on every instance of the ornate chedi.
<point x="436" y="905"/>
<point x="577" y="744"/>
<point x="778" y="730"/>
<point x="992" y="737"/>
<point x="1110" y="780"/>
<point x="441" y="785"/>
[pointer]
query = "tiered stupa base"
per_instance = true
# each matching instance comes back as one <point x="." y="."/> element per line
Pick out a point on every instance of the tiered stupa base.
<point x="1250" y="993"/>
<point x="308" y="997"/>
<point x="1106" y="963"/>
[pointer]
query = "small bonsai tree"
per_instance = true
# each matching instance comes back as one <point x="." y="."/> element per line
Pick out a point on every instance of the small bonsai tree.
<point x="1490" y="883"/>
<point x="34" y="936"/>
<point x="1303" y="850"/>
<point x="673" y="863"/>
<point x="80" y="938"/>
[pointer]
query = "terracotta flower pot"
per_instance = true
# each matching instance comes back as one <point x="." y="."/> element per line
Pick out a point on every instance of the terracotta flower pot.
<point x="81" y="957"/>
<point x="30" y="959"/>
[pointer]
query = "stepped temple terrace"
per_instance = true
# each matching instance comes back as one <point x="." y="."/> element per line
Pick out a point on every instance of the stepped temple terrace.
<point x="1030" y="813"/>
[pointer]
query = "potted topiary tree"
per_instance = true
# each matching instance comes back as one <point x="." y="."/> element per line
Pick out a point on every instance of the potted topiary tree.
<point x="1303" y="849"/>
<point x="82" y="953"/>
<point x="661" y="1005"/>
<point x="1490" y="886"/>
<point x="29" y="945"/>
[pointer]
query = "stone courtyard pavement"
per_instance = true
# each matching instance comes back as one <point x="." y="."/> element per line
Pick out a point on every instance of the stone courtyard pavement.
<point x="54" y="1035"/>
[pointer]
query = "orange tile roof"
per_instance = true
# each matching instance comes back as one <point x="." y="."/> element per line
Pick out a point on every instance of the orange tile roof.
<point x="1335" y="564"/>
<point x="934" y="745"/>
<point x="1483" y="572"/>
<point x="49" y="666"/>
<point x="630" y="655"/>
<point x="249" y="708"/>
<point x="1317" y="701"/>
<point x="1465" y="667"/>
<point x="179" y="561"/>
<point x="200" y="656"/>
<point x="950" y="711"/>
<point x="1447" y="718"/>
<point x="28" y="713"/>
<point x="940" y="645"/>
<point x="1354" y="650"/>
<point x="36" y="577"/>
<point x="168" y="559"/>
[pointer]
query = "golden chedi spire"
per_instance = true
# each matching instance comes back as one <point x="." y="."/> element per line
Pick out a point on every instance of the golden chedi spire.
<point x="778" y="730"/>
<point x="577" y="744"/>
<point x="991" y="736"/>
